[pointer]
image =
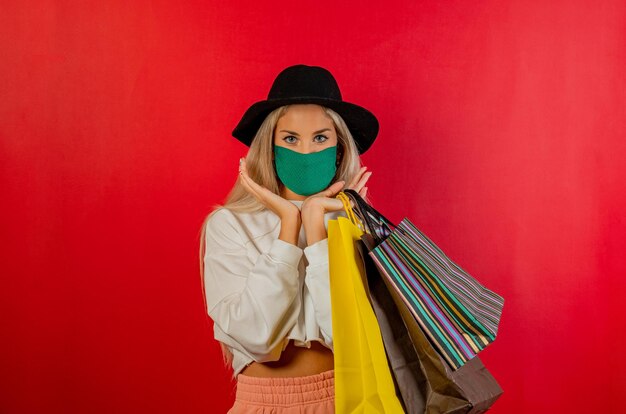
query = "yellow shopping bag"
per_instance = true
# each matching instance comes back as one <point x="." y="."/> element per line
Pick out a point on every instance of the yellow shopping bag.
<point x="363" y="382"/>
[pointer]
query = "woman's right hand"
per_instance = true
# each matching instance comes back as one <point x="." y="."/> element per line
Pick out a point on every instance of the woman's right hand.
<point x="283" y="208"/>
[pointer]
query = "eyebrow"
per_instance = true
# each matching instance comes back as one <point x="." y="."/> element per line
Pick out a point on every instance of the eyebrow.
<point x="295" y="133"/>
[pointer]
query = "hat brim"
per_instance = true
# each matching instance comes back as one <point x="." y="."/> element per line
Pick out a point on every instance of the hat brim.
<point x="362" y="124"/>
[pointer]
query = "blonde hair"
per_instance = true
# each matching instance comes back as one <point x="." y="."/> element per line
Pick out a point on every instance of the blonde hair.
<point x="260" y="168"/>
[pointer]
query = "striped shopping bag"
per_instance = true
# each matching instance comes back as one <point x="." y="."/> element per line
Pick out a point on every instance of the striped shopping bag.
<point x="457" y="313"/>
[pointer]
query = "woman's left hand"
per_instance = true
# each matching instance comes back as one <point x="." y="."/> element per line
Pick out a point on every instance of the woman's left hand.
<point x="315" y="206"/>
<point x="325" y="201"/>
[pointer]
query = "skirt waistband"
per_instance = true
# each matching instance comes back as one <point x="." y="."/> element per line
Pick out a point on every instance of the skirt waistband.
<point x="286" y="390"/>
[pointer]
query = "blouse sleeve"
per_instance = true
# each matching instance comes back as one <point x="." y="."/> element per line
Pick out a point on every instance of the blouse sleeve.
<point x="317" y="281"/>
<point x="251" y="303"/>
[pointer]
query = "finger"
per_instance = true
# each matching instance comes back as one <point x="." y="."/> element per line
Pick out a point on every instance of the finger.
<point x="333" y="204"/>
<point x="259" y="191"/>
<point x="330" y="204"/>
<point x="252" y="187"/>
<point x="248" y="188"/>
<point x="362" y="181"/>
<point x="256" y="187"/>
<point x="357" y="177"/>
<point x="334" y="188"/>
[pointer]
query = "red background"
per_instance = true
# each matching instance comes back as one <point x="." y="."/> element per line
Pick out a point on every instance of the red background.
<point x="502" y="138"/>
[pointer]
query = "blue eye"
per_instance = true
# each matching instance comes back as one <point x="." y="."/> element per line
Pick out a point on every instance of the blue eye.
<point x="286" y="139"/>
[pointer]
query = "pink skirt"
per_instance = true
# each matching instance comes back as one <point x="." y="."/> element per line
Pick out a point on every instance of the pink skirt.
<point x="310" y="394"/>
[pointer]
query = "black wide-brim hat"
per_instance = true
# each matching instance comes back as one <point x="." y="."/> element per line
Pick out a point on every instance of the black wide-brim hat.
<point x="302" y="84"/>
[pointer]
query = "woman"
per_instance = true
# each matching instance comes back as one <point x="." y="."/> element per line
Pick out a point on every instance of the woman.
<point x="264" y="254"/>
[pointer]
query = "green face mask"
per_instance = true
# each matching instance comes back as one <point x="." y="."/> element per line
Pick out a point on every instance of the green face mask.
<point x="305" y="174"/>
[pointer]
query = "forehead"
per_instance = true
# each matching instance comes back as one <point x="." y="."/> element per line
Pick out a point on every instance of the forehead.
<point x="305" y="115"/>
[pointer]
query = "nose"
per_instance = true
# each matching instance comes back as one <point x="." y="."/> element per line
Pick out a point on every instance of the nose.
<point x="307" y="147"/>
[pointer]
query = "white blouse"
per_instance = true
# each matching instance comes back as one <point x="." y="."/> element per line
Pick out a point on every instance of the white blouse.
<point x="262" y="291"/>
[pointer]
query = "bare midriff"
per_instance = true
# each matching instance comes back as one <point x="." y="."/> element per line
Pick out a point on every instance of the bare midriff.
<point x="295" y="361"/>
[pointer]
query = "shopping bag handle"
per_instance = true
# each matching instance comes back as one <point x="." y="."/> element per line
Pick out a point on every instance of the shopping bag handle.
<point x="349" y="211"/>
<point x="376" y="224"/>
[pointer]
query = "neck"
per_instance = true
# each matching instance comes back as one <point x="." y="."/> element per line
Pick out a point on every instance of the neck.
<point x="290" y="195"/>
